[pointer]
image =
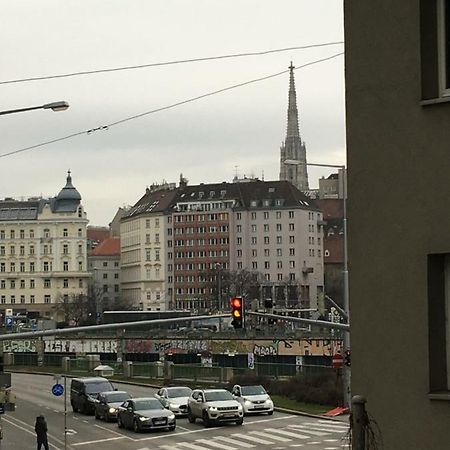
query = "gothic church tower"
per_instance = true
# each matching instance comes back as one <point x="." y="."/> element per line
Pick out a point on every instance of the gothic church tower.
<point x="293" y="150"/>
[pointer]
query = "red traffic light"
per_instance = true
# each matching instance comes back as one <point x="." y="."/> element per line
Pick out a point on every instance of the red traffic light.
<point x="237" y="312"/>
<point x="236" y="302"/>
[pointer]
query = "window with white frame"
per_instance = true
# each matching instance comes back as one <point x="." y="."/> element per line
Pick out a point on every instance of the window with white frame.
<point x="444" y="47"/>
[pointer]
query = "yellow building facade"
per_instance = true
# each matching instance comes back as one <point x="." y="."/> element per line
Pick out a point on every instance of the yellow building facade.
<point x="43" y="254"/>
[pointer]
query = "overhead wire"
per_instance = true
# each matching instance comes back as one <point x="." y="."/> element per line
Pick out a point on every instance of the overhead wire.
<point x="168" y="63"/>
<point x="164" y="108"/>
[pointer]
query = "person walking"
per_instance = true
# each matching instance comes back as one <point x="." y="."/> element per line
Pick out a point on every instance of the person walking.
<point x="41" y="432"/>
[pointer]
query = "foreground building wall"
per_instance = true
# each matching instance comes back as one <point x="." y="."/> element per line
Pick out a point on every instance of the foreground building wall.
<point x="398" y="161"/>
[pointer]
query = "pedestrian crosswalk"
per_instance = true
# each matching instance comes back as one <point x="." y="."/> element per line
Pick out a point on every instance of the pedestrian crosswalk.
<point x="290" y="436"/>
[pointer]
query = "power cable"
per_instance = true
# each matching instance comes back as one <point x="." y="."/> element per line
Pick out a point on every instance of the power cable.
<point x="163" y="108"/>
<point x="168" y="63"/>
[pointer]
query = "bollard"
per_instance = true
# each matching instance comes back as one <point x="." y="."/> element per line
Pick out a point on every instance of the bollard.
<point x="358" y="422"/>
<point x="65" y="364"/>
<point x="128" y="369"/>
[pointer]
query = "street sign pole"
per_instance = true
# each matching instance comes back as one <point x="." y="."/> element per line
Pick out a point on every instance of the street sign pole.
<point x="65" y="412"/>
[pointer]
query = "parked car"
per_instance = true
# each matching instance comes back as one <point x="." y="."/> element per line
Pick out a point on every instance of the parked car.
<point x="84" y="391"/>
<point x="214" y="406"/>
<point x="254" y="399"/>
<point x="175" y="399"/>
<point x="145" y="414"/>
<point x="107" y="404"/>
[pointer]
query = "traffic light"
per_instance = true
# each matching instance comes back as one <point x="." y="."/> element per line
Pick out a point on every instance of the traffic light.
<point x="347" y="358"/>
<point x="237" y="312"/>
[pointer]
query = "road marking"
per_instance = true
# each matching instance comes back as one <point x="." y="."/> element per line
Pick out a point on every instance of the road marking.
<point x="114" y="432"/>
<point x="330" y="440"/>
<point x="296" y="445"/>
<point x="334" y="424"/>
<point x="308" y="430"/>
<point x="215" y="444"/>
<point x="78" y="444"/>
<point x="268" y="420"/>
<point x="323" y="427"/>
<point x="331" y="448"/>
<point x="181" y="428"/>
<point x="252" y="439"/>
<point x="28" y="431"/>
<point x="310" y="443"/>
<point x="234" y="442"/>
<point x="288" y="433"/>
<point x="70" y="431"/>
<point x="192" y="446"/>
<point x="269" y="436"/>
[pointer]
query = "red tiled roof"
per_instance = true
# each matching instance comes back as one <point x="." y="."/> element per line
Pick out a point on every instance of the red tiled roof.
<point x="97" y="234"/>
<point x="108" y="247"/>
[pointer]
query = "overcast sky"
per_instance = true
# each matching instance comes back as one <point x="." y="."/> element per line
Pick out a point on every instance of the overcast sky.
<point x="205" y="140"/>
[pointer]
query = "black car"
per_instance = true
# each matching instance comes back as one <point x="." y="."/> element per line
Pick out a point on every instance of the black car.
<point x="84" y="391"/>
<point x="145" y="414"/>
<point x="107" y="404"/>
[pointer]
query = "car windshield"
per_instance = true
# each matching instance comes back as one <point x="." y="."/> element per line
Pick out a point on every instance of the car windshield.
<point x="95" y="388"/>
<point x="179" y="392"/>
<point x="141" y="405"/>
<point x="216" y="396"/>
<point x="253" y="390"/>
<point x="117" y="397"/>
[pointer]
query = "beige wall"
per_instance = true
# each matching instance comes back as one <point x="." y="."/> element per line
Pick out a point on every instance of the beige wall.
<point x="398" y="165"/>
<point x="46" y="243"/>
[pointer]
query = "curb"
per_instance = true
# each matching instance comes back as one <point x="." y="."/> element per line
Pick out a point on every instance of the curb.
<point x="305" y="414"/>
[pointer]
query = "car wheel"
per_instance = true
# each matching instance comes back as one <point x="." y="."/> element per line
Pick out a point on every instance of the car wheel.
<point x="191" y="418"/>
<point x="119" y="422"/>
<point x="136" y="428"/>
<point x="206" y="420"/>
<point x="270" y="413"/>
<point x="240" y="421"/>
<point x="172" y="428"/>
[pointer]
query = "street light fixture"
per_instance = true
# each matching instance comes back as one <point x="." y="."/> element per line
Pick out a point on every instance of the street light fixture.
<point x="54" y="106"/>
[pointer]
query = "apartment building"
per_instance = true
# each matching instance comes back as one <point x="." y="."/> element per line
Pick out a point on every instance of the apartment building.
<point x="143" y="247"/>
<point x="42" y="251"/>
<point x="104" y="264"/>
<point x="397" y="57"/>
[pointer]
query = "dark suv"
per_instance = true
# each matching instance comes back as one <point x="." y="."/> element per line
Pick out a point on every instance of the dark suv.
<point x="84" y="391"/>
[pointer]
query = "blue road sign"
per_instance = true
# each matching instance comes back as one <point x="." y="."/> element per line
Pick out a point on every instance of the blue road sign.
<point x="57" y="389"/>
<point x="9" y="321"/>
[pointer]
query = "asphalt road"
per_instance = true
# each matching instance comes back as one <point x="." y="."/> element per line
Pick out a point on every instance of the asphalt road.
<point x="277" y="432"/>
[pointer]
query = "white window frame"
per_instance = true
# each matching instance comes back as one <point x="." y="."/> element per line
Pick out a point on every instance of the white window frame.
<point x="443" y="64"/>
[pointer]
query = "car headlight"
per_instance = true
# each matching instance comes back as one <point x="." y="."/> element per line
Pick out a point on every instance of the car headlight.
<point x="240" y="408"/>
<point x="247" y="402"/>
<point x="172" y="417"/>
<point x="112" y="410"/>
<point x="143" y="419"/>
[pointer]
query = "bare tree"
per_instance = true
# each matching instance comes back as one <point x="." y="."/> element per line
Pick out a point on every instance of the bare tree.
<point x="75" y="309"/>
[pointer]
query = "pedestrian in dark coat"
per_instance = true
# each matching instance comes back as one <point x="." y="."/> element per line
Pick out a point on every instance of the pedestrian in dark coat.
<point x="41" y="432"/>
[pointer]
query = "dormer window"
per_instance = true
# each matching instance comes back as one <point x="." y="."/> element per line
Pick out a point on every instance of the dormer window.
<point x="223" y="193"/>
<point x="211" y="193"/>
<point x="201" y="194"/>
<point x="253" y="203"/>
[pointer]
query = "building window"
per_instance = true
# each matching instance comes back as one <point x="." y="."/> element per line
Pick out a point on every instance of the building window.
<point x="22" y="299"/>
<point x="266" y="264"/>
<point x="292" y="252"/>
<point x="291" y="239"/>
<point x="31" y="266"/>
<point x="47" y="283"/>
<point x="279" y="240"/>
<point x="253" y="215"/>
<point x="254" y="253"/>
<point x="238" y="216"/>
<point x="31" y="249"/>
<point x="239" y="265"/>
<point x="147" y="223"/>
<point x="292" y="276"/>
<point x="31" y="234"/>
<point x="32" y="284"/>
<point x="3" y="284"/>
<point x="116" y="276"/>
<point x="65" y="249"/>
<point x="80" y="266"/>
<point x="278" y="214"/>
<point x="266" y="252"/>
<point x="3" y="299"/>
<point x="266" y="228"/>
<point x="13" y="250"/>
<point x="13" y="267"/>
<point x="267" y="276"/>
<point x="80" y="283"/>
<point x="2" y="234"/>
<point x="65" y="266"/>
<point x="47" y="299"/>
<point x="278" y="226"/>
<point x="22" y="250"/>
<point x="2" y="267"/>
<point x="157" y="238"/>
<point x="12" y="284"/>
<point x="291" y="227"/>
<point x="253" y="240"/>
<point x="12" y="234"/>
<point x="157" y="223"/>
<point x="279" y="264"/>
<point x="80" y="232"/>
<point x="105" y="276"/>
<point x="2" y="250"/>
<point x="157" y="257"/>
<point x="22" y="267"/>
<point x="65" y="232"/>
<point x="13" y="299"/>
<point x="46" y="233"/>
<point x="32" y="299"/>
<point x="238" y="228"/>
<point x="254" y="265"/>
<point x="105" y="288"/>
<point x="65" y="283"/>
<point x="266" y="240"/>
<point x="291" y="214"/>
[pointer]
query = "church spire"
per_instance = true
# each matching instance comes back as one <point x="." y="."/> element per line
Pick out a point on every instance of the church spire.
<point x="292" y="116"/>
<point x="293" y="151"/>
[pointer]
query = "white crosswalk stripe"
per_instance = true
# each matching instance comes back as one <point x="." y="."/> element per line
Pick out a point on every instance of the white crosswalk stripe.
<point x="270" y="436"/>
<point x="234" y="442"/>
<point x="192" y="446"/>
<point x="288" y="433"/>
<point x="334" y="424"/>
<point x="325" y="427"/>
<point x="215" y="444"/>
<point x="251" y="438"/>
<point x="308" y="430"/>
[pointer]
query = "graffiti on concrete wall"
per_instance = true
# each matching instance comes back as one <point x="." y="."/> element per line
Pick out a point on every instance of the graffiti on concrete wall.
<point x="260" y="347"/>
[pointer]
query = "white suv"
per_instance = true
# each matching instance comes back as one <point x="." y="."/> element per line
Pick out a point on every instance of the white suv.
<point x="213" y="406"/>
<point x="254" y="399"/>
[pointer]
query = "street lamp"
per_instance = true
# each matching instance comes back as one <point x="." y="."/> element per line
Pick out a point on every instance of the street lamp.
<point x="347" y="395"/>
<point x="54" y="106"/>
